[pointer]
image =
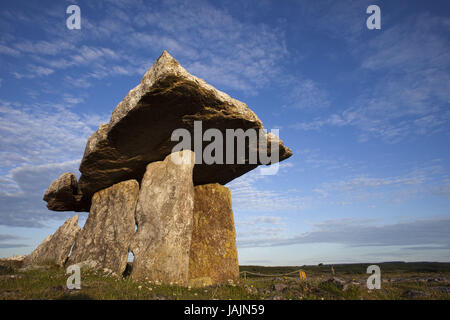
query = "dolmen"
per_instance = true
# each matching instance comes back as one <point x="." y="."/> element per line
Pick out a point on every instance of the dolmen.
<point x="152" y="180"/>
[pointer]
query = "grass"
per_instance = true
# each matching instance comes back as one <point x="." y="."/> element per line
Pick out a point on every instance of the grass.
<point x="359" y="268"/>
<point x="400" y="281"/>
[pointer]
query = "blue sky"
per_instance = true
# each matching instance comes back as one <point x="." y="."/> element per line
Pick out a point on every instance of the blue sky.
<point x="365" y="112"/>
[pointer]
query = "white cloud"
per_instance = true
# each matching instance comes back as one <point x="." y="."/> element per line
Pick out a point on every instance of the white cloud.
<point x="87" y="54"/>
<point x="41" y="71"/>
<point x="50" y="48"/>
<point x="359" y="233"/>
<point x="252" y="220"/>
<point x="38" y="142"/>
<point x="361" y="182"/>
<point x="22" y="191"/>
<point x="9" y="51"/>
<point x="212" y="44"/>
<point x="207" y="40"/>
<point x="249" y="195"/>
<point x="79" y="82"/>
<point x="71" y="100"/>
<point x="32" y="72"/>
<point x="314" y="158"/>
<point x="42" y="133"/>
<point x="416" y="182"/>
<point x="252" y="227"/>
<point x="407" y="92"/>
<point x="338" y="19"/>
<point x="306" y="94"/>
<point x="8" y="237"/>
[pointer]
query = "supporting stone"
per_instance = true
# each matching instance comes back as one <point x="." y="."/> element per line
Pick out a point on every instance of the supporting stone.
<point x="63" y="194"/>
<point x="213" y="251"/>
<point x="56" y="247"/>
<point x="106" y="236"/>
<point x="164" y="218"/>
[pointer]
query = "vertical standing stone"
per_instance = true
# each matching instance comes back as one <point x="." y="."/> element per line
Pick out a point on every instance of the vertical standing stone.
<point x="107" y="233"/>
<point x="213" y="251"/>
<point x="56" y="247"/>
<point x="164" y="215"/>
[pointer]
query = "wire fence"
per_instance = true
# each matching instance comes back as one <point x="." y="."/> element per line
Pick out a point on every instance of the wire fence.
<point x="301" y="274"/>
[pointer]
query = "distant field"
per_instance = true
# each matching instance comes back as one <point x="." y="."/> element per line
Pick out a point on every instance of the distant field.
<point x="358" y="268"/>
<point x="400" y="281"/>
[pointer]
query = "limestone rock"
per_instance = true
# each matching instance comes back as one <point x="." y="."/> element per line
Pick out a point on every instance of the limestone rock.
<point x="213" y="251"/>
<point x="63" y="195"/>
<point x="107" y="233"/>
<point x="7" y="265"/>
<point x="200" y="282"/>
<point x="140" y="129"/>
<point x="279" y="286"/>
<point x="56" y="247"/>
<point x="164" y="215"/>
<point x="86" y="265"/>
<point x="16" y="258"/>
<point x="341" y="284"/>
<point x="414" y="294"/>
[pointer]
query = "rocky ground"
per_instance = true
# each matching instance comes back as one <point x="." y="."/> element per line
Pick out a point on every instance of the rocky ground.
<point x="320" y="284"/>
